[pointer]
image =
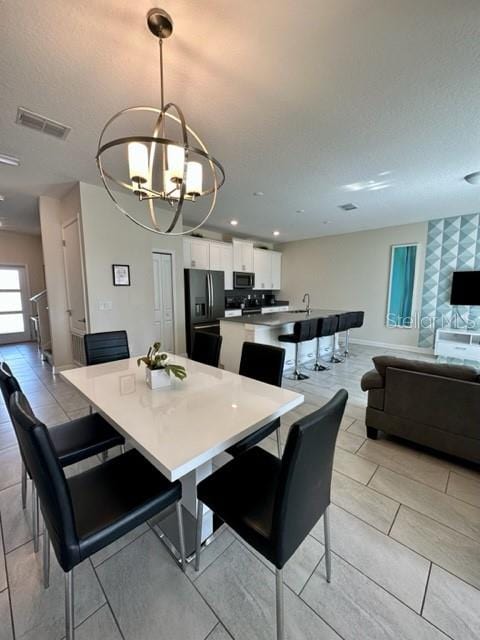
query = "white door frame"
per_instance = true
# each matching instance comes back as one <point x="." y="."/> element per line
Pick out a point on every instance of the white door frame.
<point x="27" y="309"/>
<point x="171" y="253"/>
<point x="82" y="272"/>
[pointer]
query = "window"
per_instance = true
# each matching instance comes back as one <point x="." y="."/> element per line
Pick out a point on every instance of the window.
<point x="11" y="305"/>
<point x="401" y="286"/>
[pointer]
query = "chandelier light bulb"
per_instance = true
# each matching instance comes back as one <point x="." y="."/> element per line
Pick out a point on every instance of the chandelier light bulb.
<point x="176" y="161"/>
<point x="194" y="178"/>
<point x="138" y="163"/>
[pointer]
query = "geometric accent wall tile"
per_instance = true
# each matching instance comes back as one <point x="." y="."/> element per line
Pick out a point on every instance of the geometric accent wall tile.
<point x="453" y="244"/>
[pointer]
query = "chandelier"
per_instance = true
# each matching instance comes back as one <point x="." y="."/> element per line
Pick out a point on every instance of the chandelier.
<point x="160" y="166"/>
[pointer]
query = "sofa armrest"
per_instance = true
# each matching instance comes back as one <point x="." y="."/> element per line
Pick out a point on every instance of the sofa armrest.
<point x="372" y="380"/>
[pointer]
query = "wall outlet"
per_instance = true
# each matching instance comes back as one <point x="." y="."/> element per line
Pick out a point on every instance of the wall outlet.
<point x="105" y="305"/>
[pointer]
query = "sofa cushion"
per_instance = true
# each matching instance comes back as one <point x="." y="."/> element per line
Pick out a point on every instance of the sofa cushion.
<point x="456" y="371"/>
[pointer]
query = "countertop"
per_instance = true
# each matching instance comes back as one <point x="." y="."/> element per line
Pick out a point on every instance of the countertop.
<point x="283" y="317"/>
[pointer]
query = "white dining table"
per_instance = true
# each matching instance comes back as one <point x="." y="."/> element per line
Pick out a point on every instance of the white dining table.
<point x="181" y="428"/>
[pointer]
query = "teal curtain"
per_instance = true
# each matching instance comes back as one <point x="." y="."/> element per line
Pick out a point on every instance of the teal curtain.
<point x="402" y="281"/>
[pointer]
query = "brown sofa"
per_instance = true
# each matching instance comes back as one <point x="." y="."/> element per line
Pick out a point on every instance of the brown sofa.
<point x="436" y="405"/>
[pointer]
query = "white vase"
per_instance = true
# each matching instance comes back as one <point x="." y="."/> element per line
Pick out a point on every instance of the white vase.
<point x="157" y="378"/>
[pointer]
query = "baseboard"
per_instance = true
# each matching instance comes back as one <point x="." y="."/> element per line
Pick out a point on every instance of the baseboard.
<point x="390" y="345"/>
<point x="63" y="367"/>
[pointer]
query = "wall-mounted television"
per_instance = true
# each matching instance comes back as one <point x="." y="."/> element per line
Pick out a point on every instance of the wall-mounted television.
<point x="465" y="288"/>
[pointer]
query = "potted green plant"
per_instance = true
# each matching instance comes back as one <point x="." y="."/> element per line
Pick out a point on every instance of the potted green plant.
<point x="159" y="370"/>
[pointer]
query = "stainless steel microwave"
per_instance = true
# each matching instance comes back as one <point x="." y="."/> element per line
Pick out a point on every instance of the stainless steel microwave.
<point x="243" y="280"/>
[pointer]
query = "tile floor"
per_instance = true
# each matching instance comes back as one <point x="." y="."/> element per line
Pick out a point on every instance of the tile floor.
<point x="405" y="536"/>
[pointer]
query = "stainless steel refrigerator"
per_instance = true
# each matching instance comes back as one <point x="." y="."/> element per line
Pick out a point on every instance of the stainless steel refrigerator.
<point x="204" y="302"/>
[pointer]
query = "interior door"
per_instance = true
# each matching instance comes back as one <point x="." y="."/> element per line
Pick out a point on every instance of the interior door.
<point x="72" y="254"/>
<point x="14" y="305"/>
<point x="164" y="314"/>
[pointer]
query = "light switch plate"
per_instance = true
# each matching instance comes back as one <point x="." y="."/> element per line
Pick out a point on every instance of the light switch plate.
<point x="105" y="305"/>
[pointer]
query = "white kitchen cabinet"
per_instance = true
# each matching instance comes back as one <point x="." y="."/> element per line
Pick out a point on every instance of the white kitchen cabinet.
<point x="242" y="255"/>
<point x="221" y="259"/>
<point x="196" y="253"/>
<point x="262" y="266"/>
<point x="276" y="270"/>
<point x="268" y="269"/>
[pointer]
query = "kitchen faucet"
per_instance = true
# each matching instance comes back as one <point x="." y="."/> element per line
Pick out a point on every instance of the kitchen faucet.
<point x="306" y="298"/>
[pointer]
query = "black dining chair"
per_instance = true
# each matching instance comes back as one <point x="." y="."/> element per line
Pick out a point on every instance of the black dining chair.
<point x="261" y="362"/>
<point x="85" y="513"/>
<point x="356" y="320"/>
<point x="274" y="504"/>
<point x="73" y="441"/>
<point x="106" y="346"/>
<point x="206" y="348"/>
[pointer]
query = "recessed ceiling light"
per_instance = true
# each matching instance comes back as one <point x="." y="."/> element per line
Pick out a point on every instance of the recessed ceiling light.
<point x="258" y="193"/>
<point x="11" y="161"/>
<point x="234" y="223"/>
<point x="473" y="178"/>
<point x="276" y="233"/>
<point x="300" y="211"/>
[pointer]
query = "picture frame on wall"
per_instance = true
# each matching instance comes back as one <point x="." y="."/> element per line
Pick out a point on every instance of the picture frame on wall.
<point x="121" y="275"/>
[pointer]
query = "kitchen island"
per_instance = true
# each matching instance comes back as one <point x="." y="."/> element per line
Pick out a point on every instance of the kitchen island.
<point x="265" y="329"/>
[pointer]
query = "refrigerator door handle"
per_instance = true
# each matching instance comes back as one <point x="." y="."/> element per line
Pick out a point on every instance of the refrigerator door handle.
<point x="209" y="294"/>
<point x="212" y="294"/>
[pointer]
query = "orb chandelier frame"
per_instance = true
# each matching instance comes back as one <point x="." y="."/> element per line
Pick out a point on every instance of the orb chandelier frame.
<point x="182" y="178"/>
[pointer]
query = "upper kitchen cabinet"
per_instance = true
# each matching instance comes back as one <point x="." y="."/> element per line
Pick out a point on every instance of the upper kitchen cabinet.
<point x="268" y="269"/>
<point x="276" y="269"/>
<point x="243" y="256"/>
<point x="221" y="259"/>
<point x="196" y="253"/>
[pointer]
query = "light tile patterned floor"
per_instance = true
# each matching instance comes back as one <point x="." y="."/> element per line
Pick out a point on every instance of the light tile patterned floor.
<point x="405" y="536"/>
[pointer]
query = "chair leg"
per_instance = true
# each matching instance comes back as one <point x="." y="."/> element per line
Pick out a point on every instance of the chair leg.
<point x="328" y="551"/>
<point x="280" y="612"/>
<point x="46" y="558"/>
<point x="279" y="442"/>
<point x="347" y="341"/>
<point x="199" y="535"/>
<point x="334" y="358"/>
<point x="24" y="486"/>
<point x="35" y="518"/>
<point x="296" y="374"/>
<point x="69" y="607"/>
<point x="181" y="535"/>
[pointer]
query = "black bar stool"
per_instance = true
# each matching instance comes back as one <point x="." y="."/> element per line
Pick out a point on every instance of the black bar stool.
<point x="357" y="318"/>
<point x="273" y="504"/>
<point x="325" y="327"/>
<point x="303" y="331"/>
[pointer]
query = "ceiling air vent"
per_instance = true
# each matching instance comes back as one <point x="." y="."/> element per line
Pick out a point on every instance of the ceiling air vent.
<point x="348" y="207"/>
<point x="41" y="123"/>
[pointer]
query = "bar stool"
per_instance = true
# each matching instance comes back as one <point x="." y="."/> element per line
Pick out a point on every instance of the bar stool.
<point x="356" y="323"/>
<point x="303" y="331"/>
<point x="325" y="327"/>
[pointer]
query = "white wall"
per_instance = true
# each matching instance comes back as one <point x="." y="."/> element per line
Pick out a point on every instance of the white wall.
<point x="53" y="213"/>
<point x="110" y="238"/>
<point x="351" y="271"/>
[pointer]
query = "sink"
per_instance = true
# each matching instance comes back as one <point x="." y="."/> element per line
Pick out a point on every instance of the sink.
<point x="296" y="311"/>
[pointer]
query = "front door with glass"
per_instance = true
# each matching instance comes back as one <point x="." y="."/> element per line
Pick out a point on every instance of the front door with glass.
<point x="14" y="306"/>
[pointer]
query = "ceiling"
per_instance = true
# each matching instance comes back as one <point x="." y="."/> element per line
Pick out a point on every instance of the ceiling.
<point x="296" y="99"/>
